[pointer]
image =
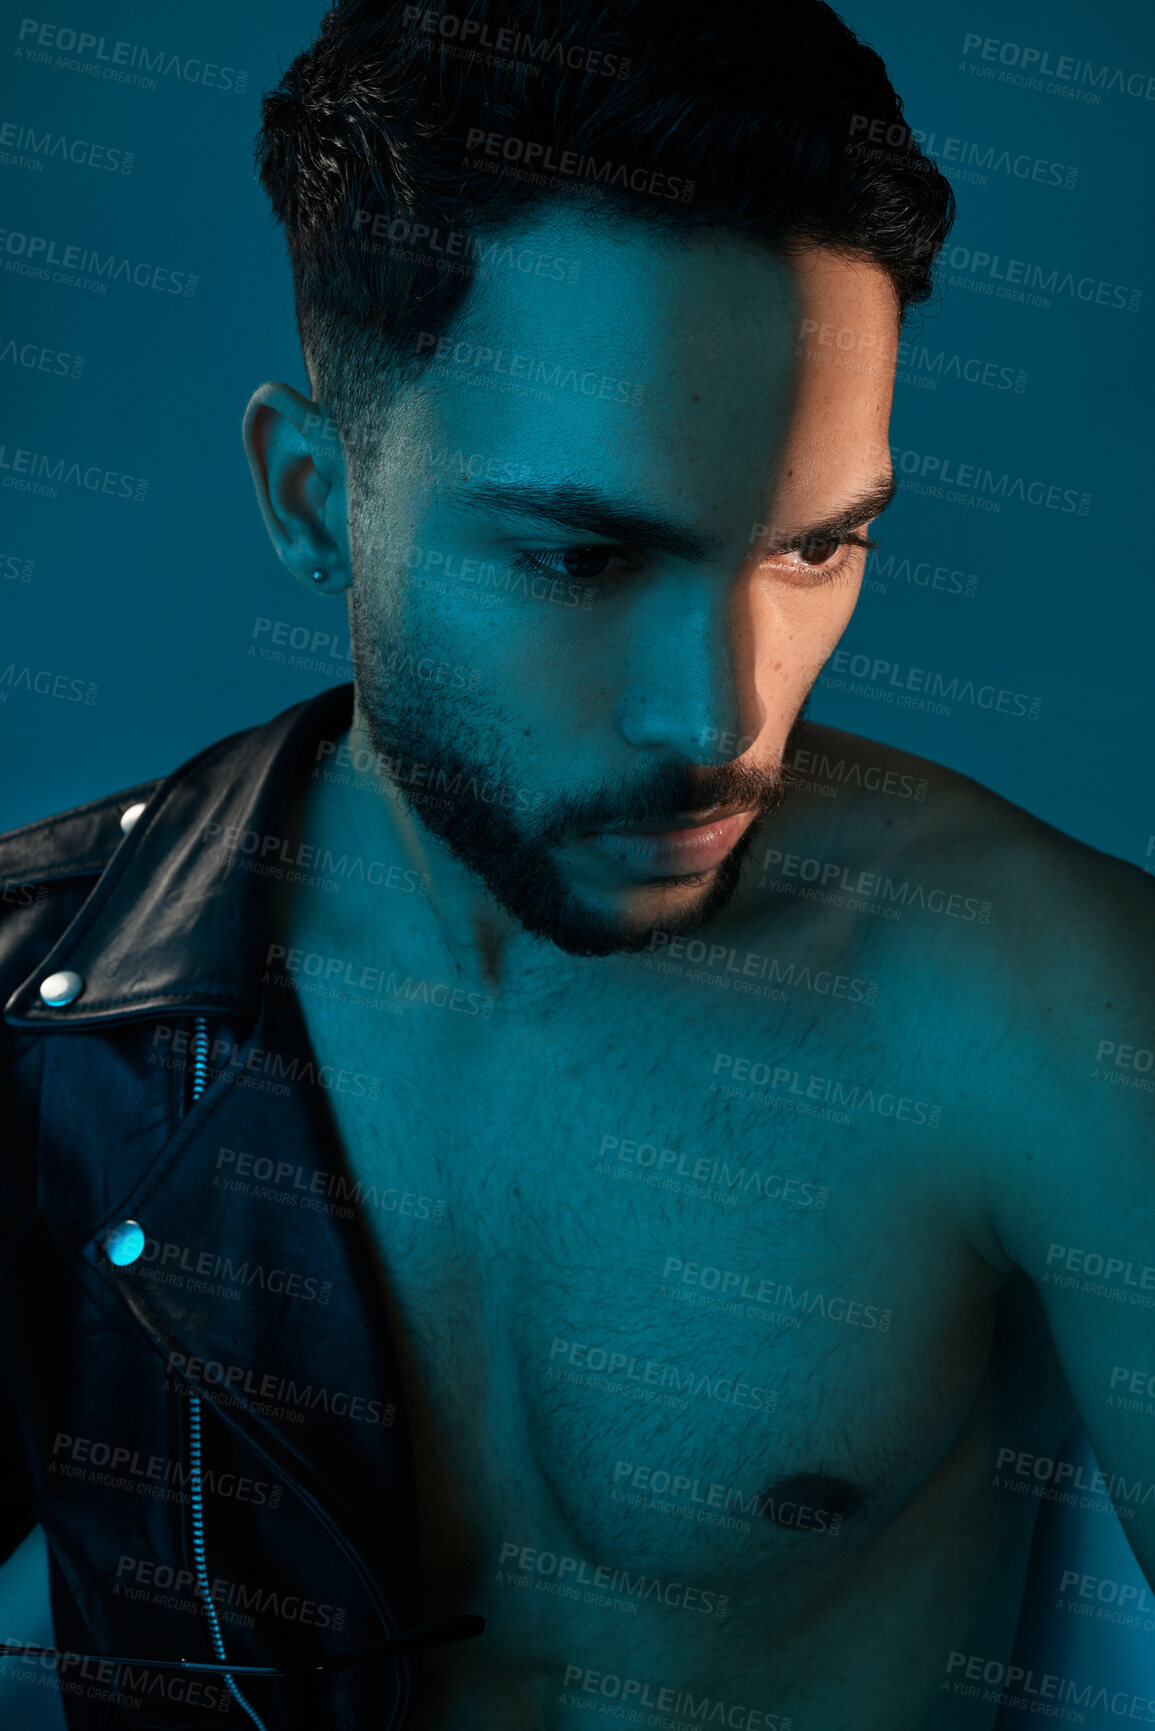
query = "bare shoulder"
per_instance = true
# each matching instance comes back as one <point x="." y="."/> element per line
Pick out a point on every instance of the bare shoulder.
<point x="1010" y="967"/>
<point x="898" y="807"/>
<point x="1038" y="932"/>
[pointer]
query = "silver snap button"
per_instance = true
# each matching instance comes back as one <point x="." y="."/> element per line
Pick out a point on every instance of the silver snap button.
<point x="124" y="1243"/>
<point x="129" y="816"/>
<point x="60" y="989"/>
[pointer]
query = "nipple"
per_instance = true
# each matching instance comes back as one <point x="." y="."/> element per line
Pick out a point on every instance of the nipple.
<point x="811" y="1501"/>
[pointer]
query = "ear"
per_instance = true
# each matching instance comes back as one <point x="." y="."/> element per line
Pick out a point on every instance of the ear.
<point x="298" y="468"/>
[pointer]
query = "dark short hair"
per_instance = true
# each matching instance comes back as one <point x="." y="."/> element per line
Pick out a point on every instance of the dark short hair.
<point x="384" y="145"/>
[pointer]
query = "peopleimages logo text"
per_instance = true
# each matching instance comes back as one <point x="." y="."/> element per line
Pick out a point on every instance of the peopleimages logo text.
<point x="1066" y="67"/>
<point x="124" y="62"/>
<point x="984" y="483"/>
<point x="82" y="151"/>
<point x="576" y="164"/>
<point x="474" y="35"/>
<point x="881" y="671"/>
<point x="1039" y="279"/>
<point x="41" y="251"/>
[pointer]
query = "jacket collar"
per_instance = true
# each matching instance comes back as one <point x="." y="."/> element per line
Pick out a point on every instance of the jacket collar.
<point x="177" y="923"/>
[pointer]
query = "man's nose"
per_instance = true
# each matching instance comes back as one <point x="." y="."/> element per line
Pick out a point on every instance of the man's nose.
<point x="686" y="669"/>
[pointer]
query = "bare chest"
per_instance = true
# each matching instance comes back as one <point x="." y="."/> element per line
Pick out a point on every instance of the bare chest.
<point x="656" y="1311"/>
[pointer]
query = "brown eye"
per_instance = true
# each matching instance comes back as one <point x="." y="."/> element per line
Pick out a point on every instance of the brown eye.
<point x="586" y="562"/>
<point x="818" y="552"/>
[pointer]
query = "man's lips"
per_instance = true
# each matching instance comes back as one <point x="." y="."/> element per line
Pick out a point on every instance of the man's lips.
<point x="686" y="844"/>
<point x="678" y="823"/>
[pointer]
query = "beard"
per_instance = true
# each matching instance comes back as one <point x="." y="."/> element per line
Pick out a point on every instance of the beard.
<point x="477" y="802"/>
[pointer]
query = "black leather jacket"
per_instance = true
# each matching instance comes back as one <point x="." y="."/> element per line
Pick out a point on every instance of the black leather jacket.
<point x="255" y="1291"/>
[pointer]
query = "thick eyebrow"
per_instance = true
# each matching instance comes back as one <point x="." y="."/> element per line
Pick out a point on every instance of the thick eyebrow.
<point x="862" y="509"/>
<point x="589" y="511"/>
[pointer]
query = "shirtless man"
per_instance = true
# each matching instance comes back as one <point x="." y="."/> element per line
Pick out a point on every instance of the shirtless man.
<point x="753" y="1283"/>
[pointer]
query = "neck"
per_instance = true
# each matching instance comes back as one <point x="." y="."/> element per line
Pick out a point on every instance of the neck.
<point x="435" y="916"/>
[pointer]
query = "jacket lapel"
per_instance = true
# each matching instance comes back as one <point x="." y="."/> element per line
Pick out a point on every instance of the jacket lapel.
<point x="259" y="1285"/>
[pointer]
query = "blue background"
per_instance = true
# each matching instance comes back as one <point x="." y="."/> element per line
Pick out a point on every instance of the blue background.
<point x="156" y="602"/>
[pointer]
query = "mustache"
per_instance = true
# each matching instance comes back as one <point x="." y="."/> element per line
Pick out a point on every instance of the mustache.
<point x="668" y="791"/>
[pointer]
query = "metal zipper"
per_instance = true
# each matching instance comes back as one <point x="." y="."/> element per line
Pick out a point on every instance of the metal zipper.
<point x="200" y="1072"/>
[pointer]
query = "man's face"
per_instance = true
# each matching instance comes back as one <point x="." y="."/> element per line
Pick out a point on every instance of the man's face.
<point x="587" y="514"/>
